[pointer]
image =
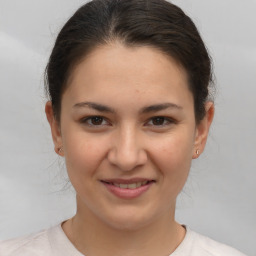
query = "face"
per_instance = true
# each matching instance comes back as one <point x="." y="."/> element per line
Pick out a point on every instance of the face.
<point x="128" y="133"/>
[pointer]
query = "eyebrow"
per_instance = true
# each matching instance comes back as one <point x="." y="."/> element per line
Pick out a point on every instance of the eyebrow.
<point x="106" y="109"/>
<point x="96" y="106"/>
<point x="159" y="107"/>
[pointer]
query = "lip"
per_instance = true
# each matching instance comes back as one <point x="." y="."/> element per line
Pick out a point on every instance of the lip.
<point x="126" y="193"/>
<point x="126" y="181"/>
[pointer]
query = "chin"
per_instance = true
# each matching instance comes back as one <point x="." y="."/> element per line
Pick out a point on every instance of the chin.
<point x="129" y="221"/>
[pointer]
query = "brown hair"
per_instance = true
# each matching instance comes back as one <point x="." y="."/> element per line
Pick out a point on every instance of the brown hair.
<point x="156" y="23"/>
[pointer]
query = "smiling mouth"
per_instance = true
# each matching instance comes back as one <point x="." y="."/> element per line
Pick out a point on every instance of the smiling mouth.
<point x="129" y="185"/>
<point x="128" y="188"/>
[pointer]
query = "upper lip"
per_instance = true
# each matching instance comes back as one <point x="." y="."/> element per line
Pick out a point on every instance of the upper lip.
<point x="127" y="181"/>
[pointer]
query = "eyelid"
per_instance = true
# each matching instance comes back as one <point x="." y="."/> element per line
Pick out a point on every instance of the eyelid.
<point x="168" y="119"/>
<point x="85" y="121"/>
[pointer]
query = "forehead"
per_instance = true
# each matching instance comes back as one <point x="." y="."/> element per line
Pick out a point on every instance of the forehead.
<point x="118" y="71"/>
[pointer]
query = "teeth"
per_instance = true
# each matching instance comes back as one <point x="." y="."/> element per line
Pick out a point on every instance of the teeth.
<point x="130" y="186"/>
<point x="133" y="185"/>
<point x="123" y="185"/>
<point x="138" y="184"/>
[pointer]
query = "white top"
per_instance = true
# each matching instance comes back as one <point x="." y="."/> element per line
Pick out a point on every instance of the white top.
<point x="54" y="242"/>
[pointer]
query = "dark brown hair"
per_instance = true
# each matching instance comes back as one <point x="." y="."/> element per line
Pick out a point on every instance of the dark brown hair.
<point x="156" y="23"/>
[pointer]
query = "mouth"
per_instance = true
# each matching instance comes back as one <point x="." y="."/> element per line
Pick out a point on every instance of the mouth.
<point x="128" y="189"/>
<point x="129" y="185"/>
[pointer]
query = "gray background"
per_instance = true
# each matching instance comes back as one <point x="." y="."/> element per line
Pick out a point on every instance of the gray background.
<point x="219" y="198"/>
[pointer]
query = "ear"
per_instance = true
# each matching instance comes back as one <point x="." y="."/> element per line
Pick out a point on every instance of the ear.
<point x="55" y="128"/>
<point x="202" y="129"/>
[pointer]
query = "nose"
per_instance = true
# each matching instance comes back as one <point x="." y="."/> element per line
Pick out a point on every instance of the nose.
<point x="127" y="151"/>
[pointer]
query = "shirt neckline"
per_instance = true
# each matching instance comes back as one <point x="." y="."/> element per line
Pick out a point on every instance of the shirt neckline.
<point x="62" y="244"/>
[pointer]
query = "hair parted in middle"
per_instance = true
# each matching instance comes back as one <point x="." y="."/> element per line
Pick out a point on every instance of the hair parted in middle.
<point x="133" y="23"/>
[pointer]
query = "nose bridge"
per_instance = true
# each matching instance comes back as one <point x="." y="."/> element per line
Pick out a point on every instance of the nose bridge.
<point x="127" y="142"/>
<point x="127" y="151"/>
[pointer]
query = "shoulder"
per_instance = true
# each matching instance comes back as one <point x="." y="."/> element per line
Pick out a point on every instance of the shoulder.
<point x="213" y="247"/>
<point x="199" y="245"/>
<point x="50" y="242"/>
<point x="37" y="245"/>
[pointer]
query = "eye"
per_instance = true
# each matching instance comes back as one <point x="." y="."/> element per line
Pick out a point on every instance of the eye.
<point x="95" y="121"/>
<point x="160" y="121"/>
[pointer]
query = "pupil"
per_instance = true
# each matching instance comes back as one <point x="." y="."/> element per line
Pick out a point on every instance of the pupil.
<point x="97" y="120"/>
<point x="158" y="120"/>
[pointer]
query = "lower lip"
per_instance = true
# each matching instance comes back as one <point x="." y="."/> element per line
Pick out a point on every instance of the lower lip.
<point x="127" y="193"/>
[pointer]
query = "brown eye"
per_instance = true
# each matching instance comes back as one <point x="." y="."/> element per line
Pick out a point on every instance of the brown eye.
<point x="96" y="120"/>
<point x="158" y="120"/>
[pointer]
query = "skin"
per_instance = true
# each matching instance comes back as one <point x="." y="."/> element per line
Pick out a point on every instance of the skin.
<point x="126" y="143"/>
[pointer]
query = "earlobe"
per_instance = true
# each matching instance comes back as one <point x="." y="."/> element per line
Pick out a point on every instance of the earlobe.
<point x="202" y="129"/>
<point x="55" y="128"/>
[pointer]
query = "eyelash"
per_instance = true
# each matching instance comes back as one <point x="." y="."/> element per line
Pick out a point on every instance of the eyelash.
<point x="167" y="121"/>
<point x="87" y="119"/>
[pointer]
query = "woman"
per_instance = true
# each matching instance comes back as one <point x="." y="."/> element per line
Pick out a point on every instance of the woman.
<point x="129" y="109"/>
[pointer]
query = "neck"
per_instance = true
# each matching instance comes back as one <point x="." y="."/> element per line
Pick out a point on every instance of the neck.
<point x="91" y="236"/>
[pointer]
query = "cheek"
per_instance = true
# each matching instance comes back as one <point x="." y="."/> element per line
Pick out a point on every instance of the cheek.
<point x="82" y="155"/>
<point x="175" y="148"/>
<point x="173" y="156"/>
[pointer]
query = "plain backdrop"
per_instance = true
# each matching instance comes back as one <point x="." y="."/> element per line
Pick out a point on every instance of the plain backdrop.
<point x="219" y="199"/>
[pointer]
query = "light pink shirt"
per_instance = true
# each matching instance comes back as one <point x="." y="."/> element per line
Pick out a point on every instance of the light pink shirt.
<point x="54" y="242"/>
